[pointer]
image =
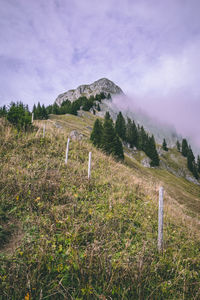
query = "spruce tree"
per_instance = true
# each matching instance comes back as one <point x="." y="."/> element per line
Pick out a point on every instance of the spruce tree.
<point x="178" y="146"/>
<point x="118" y="148"/>
<point x="108" y="136"/>
<point x="164" y="145"/>
<point x="143" y="140"/>
<point x="131" y="133"/>
<point x="107" y="116"/>
<point x="120" y="126"/>
<point x="96" y="135"/>
<point x="191" y="164"/>
<point x="111" y="143"/>
<point x="184" y="147"/>
<point x="194" y="171"/>
<point x="152" y="152"/>
<point x="19" y="115"/>
<point x="44" y="113"/>
<point x="38" y="111"/>
<point x="3" y="111"/>
<point x="198" y="163"/>
<point x="190" y="159"/>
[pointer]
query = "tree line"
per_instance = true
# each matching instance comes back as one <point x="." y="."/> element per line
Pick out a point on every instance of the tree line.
<point x="136" y="136"/>
<point x="68" y="107"/>
<point x="18" y="115"/>
<point x="109" y="137"/>
<point x="186" y="151"/>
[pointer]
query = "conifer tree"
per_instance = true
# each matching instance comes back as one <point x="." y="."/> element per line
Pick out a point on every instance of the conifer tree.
<point x="19" y="115"/>
<point x="184" y="147"/>
<point x="3" y="111"/>
<point x="164" y="145"/>
<point x="143" y="140"/>
<point x="152" y="152"/>
<point x="190" y="159"/>
<point x="198" y="163"/>
<point x="118" y="148"/>
<point x="44" y="115"/>
<point x="111" y="143"/>
<point x="191" y="164"/>
<point x="108" y="135"/>
<point x="107" y="116"/>
<point x="96" y="135"/>
<point x="178" y="146"/>
<point x="131" y="133"/>
<point x="38" y="111"/>
<point x="120" y="126"/>
<point x="194" y="171"/>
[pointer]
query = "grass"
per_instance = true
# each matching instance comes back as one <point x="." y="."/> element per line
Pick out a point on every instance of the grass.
<point x="94" y="239"/>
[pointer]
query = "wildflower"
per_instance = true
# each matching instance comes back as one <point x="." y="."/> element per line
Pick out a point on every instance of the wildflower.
<point x="27" y="297"/>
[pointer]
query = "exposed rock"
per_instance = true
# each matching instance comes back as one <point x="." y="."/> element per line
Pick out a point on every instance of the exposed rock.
<point x="192" y="179"/>
<point x="146" y="162"/>
<point x="102" y="85"/>
<point x="75" y="135"/>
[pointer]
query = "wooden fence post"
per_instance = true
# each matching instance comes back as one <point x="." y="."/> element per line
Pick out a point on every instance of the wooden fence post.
<point x="32" y="117"/>
<point x="44" y="131"/>
<point x="160" y="220"/>
<point x="67" y="151"/>
<point x="89" y="165"/>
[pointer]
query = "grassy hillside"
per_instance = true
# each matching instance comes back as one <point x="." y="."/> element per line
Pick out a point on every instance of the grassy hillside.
<point x="64" y="237"/>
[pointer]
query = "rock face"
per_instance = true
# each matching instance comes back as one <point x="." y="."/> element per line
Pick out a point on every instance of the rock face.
<point x="102" y="85"/>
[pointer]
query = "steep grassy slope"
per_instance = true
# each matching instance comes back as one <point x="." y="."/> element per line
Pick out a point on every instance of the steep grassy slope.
<point x="66" y="238"/>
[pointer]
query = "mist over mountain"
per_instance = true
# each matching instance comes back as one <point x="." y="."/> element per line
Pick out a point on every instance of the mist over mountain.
<point x="160" y="119"/>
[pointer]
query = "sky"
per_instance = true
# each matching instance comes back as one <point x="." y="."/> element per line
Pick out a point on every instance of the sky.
<point x="150" y="48"/>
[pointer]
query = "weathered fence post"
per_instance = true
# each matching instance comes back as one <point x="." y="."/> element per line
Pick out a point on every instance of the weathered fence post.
<point x="44" y="131"/>
<point x="89" y="165"/>
<point x="67" y="150"/>
<point x="160" y="220"/>
<point x="32" y="117"/>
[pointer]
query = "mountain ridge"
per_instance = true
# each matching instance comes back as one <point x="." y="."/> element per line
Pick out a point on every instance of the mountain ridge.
<point x="102" y="85"/>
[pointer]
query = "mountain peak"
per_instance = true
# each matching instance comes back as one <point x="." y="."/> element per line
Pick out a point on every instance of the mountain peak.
<point x="103" y="85"/>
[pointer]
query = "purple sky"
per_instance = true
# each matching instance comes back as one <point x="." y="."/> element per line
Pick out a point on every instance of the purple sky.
<point x="150" y="48"/>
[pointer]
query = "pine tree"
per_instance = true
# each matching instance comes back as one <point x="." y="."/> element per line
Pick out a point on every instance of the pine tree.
<point x="184" y="147"/>
<point x="108" y="136"/>
<point x="152" y="152"/>
<point x="98" y="107"/>
<point x="198" y="163"/>
<point x="19" y="115"/>
<point x="96" y="135"/>
<point x="194" y="171"/>
<point x="164" y="145"/>
<point x="190" y="159"/>
<point x="38" y="111"/>
<point x="3" y="111"/>
<point x="111" y="143"/>
<point x="178" y="146"/>
<point x="120" y="126"/>
<point x="143" y="140"/>
<point x="107" y="116"/>
<point x="131" y="133"/>
<point x="44" y="115"/>
<point x="118" y="148"/>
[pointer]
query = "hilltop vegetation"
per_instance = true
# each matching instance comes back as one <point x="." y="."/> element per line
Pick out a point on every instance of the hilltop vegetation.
<point x="66" y="237"/>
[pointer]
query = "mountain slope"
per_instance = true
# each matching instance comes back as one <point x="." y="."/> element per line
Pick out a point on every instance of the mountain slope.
<point x="97" y="239"/>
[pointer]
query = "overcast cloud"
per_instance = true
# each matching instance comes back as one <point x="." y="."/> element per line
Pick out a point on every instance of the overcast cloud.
<point x="150" y="48"/>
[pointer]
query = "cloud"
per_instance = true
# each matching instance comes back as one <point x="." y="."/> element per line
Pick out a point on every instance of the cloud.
<point x="149" y="48"/>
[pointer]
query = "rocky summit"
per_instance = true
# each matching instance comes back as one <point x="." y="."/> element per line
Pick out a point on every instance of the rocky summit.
<point x="102" y="85"/>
